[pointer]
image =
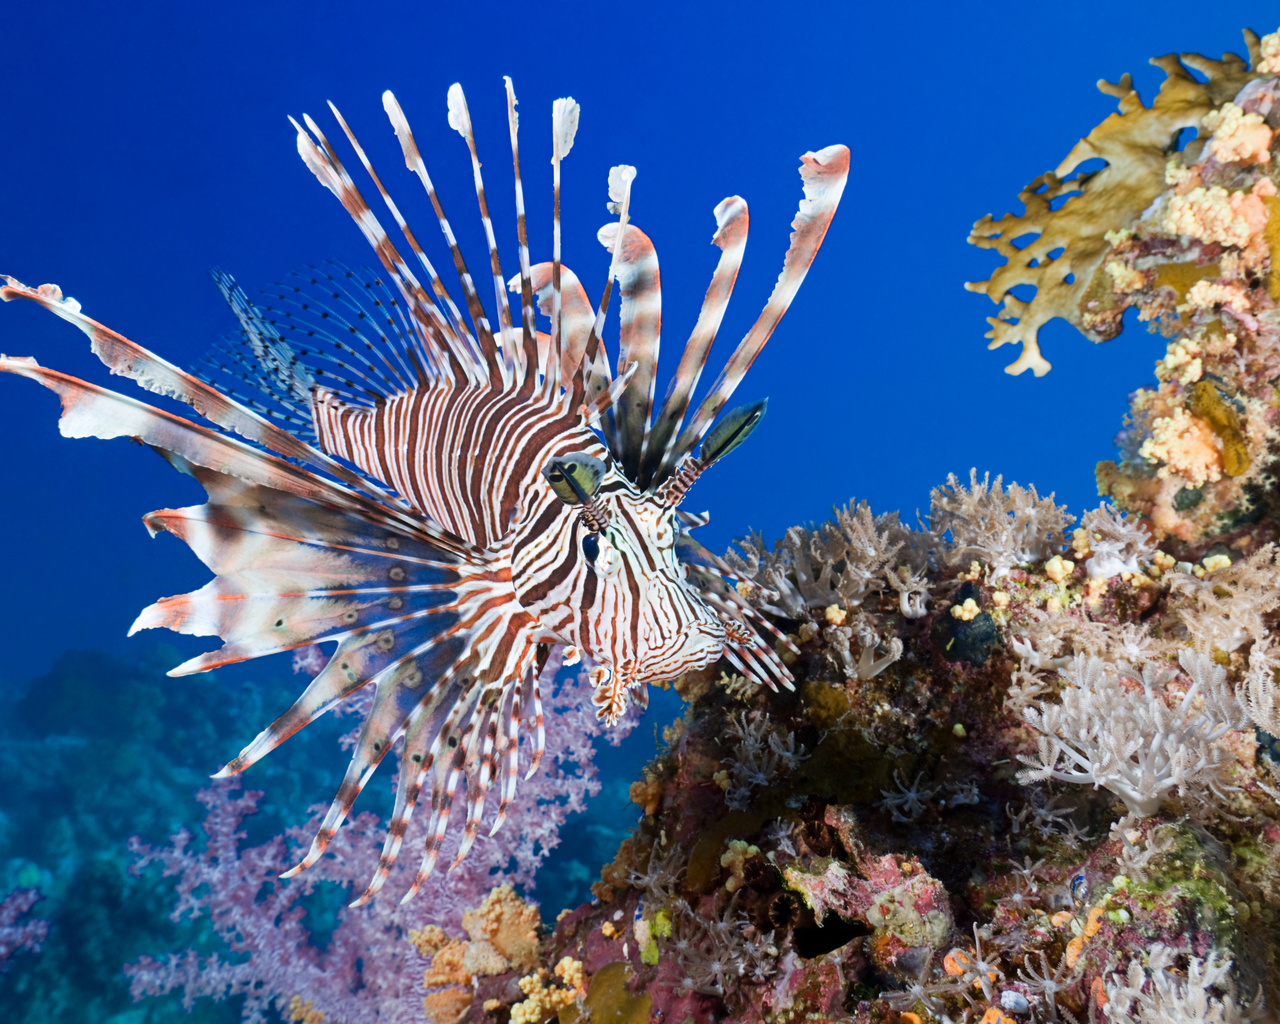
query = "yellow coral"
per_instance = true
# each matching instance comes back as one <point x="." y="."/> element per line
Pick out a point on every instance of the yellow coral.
<point x="446" y="1005"/>
<point x="735" y="859"/>
<point x="966" y="612"/>
<point x="427" y="940"/>
<point x="542" y="1002"/>
<point x="1059" y="568"/>
<point x="1207" y="294"/>
<point x="483" y="958"/>
<point x="1238" y="137"/>
<point x="448" y="966"/>
<point x="1216" y="215"/>
<point x="1181" y="362"/>
<point x="1135" y="144"/>
<point x="303" y="1012"/>
<point x="1187" y="446"/>
<point x="509" y="923"/>
<point x="1124" y="278"/>
<point x="1269" y="49"/>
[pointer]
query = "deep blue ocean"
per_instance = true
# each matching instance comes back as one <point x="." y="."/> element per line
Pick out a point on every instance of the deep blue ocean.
<point x="146" y="143"/>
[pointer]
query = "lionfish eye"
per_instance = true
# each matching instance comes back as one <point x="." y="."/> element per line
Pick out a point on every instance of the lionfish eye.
<point x="591" y="547"/>
<point x="574" y="478"/>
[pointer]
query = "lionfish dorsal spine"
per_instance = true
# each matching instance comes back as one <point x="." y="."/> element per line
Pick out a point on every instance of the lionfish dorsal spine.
<point x="514" y="359"/>
<point x="564" y="127"/>
<point x="639" y="335"/>
<point x="491" y="358"/>
<point x="731" y="238"/>
<point x="823" y="175"/>
<point x="454" y="352"/>
<point x="528" y="325"/>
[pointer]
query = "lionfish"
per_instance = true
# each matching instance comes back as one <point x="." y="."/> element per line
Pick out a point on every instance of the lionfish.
<point x="446" y="500"/>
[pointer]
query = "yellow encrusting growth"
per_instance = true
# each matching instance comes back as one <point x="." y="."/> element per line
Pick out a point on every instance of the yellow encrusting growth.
<point x="1271" y="235"/>
<point x="1204" y="401"/>
<point x="543" y="1001"/>
<point x="303" y="1012"/>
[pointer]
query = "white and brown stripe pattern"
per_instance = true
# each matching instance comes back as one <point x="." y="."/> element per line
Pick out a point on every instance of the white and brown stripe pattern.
<point x="444" y="565"/>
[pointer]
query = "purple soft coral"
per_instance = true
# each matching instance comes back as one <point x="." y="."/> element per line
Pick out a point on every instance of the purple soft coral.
<point x="368" y="970"/>
<point x="15" y="936"/>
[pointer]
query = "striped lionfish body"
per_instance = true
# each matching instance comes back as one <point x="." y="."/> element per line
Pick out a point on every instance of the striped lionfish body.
<point x="453" y="496"/>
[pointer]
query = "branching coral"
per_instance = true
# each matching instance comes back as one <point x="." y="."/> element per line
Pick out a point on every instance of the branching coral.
<point x="1160" y="994"/>
<point x="1131" y="741"/>
<point x="1004" y="527"/>
<point x="1229" y="607"/>
<point x="841" y="562"/>
<point x="1189" y="238"/>
<point x="1113" y="544"/>
<point x="367" y="959"/>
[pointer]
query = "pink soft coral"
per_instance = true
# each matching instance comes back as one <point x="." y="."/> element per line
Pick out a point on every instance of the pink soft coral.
<point x="15" y="936"/>
<point x="368" y="970"/>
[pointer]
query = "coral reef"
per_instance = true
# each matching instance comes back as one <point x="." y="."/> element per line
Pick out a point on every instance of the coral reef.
<point x="371" y="965"/>
<point x="1029" y="768"/>
<point x="1054" y="802"/>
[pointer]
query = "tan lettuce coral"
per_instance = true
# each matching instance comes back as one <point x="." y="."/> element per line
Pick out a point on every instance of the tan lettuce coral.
<point x="1072" y="218"/>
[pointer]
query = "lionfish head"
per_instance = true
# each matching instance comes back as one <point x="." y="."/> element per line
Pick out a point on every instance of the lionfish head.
<point x="640" y="618"/>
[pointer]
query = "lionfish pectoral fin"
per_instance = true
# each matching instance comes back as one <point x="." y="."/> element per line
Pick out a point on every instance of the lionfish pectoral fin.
<point x="460" y="731"/>
<point x="402" y="689"/>
<point x="151" y="372"/>
<point x="416" y="760"/>
<point x="747" y="632"/>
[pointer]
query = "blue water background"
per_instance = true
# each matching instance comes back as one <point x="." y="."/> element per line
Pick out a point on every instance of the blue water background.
<point x="146" y="143"/>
